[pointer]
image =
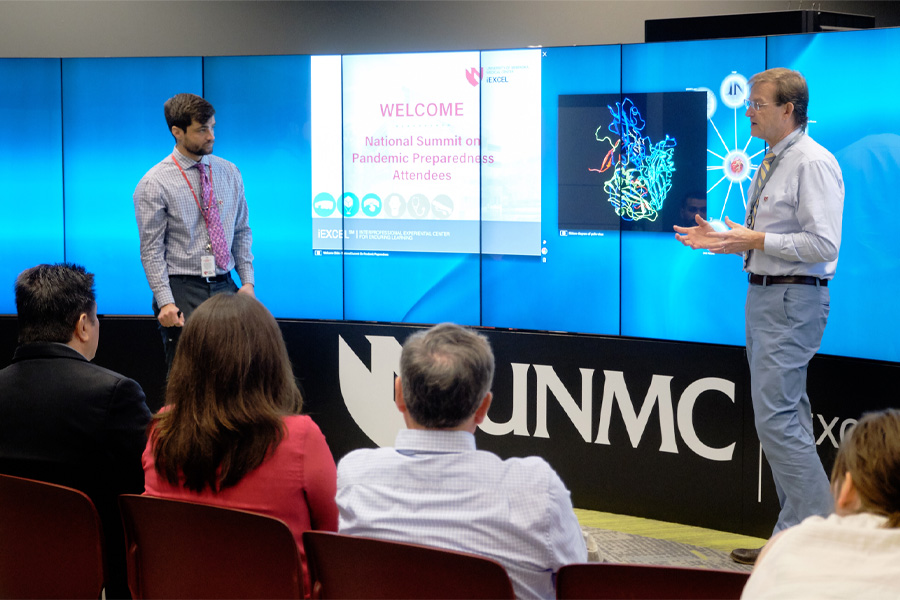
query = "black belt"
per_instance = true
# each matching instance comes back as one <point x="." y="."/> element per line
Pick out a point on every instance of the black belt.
<point x="199" y="279"/>
<point x="782" y="279"/>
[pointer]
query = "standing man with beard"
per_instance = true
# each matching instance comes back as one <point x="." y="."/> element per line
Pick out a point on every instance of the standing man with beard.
<point x="192" y="220"/>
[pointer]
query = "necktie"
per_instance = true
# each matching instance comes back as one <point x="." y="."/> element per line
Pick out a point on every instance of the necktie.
<point x="213" y="220"/>
<point x="760" y="181"/>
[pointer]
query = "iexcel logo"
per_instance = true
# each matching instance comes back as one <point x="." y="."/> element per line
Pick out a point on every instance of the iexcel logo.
<point x="474" y="75"/>
<point x="368" y="395"/>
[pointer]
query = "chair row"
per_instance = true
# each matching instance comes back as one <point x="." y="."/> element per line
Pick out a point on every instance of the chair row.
<point x="53" y="548"/>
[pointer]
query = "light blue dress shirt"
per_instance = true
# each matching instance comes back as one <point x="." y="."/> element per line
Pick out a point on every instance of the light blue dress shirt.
<point x="435" y="488"/>
<point x="800" y="210"/>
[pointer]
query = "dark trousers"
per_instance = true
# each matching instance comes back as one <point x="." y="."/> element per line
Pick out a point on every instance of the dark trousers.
<point x="189" y="292"/>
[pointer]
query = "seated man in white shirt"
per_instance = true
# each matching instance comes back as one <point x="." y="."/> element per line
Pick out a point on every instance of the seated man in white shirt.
<point x="435" y="488"/>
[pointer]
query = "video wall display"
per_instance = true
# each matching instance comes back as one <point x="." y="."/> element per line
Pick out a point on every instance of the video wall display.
<point x="674" y="292"/>
<point x="31" y="182"/>
<point x="527" y="189"/>
<point x="855" y="116"/>
<point x="113" y="132"/>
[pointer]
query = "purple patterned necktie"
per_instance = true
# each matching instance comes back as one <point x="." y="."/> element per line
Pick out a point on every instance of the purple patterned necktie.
<point x="213" y="221"/>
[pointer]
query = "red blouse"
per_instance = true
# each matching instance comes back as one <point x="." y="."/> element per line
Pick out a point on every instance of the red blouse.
<point x="295" y="484"/>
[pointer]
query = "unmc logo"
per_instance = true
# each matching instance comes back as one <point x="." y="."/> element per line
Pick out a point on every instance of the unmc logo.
<point x="475" y="75"/>
<point x="369" y="396"/>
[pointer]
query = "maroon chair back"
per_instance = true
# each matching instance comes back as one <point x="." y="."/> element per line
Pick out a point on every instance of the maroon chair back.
<point x="608" y="580"/>
<point x="181" y="549"/>
<point x="343" y="566"/>
<point x="51" y="541"/>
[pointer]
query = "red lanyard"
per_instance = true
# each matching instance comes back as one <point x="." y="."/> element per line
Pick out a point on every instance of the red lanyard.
<point x="200" y="208"/>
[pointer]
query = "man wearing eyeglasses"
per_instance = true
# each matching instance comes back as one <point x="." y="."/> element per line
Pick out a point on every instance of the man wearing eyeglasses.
<point x="789" y="241"/>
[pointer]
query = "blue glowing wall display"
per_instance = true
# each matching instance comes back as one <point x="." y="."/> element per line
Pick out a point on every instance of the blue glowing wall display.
<point x="539" y="189"/>
<point x="573" y="284"/>
<point x="263" y="126"/>
<point x="670" y="291"/>
<point x="107" y="151"/>
<point x="854" y="115"/>
<point x="31" y="231"/>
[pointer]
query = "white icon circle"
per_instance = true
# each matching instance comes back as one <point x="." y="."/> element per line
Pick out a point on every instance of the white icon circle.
<point x="734" y="90"/>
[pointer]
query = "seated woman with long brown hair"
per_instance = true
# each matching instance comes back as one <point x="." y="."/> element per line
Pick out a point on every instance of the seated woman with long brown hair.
<point x="230" y="433"/>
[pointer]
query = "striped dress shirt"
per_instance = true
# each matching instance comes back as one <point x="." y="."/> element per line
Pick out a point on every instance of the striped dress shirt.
<point x="435" y="488"/>
<point x="173" y="232"/>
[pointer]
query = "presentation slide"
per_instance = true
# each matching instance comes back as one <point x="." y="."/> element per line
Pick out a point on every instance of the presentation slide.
<point x="510" y="84"/>
<point x="440" y="153"/>
<point x="411" y="154"/>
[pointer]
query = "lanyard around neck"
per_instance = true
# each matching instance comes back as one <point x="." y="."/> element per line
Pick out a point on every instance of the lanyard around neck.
<point x="778" y="160"/>
<point x="193" y="193"/>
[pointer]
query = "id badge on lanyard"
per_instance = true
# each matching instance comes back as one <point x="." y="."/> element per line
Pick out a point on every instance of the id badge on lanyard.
<point x="207" y="265"/>
<point x="208" y="260"/>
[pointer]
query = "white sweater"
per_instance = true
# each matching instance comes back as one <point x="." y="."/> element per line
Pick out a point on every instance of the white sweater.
<point x="853" y="556"/>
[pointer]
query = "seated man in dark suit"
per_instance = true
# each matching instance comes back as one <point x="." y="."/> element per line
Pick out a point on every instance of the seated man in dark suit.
<point x="63" y="419"/>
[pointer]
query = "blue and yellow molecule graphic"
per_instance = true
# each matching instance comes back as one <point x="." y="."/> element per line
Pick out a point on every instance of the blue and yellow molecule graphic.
<point x="642" y="175"/>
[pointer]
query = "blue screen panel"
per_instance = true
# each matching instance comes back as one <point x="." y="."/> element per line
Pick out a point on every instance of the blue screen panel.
<point x="263" y="126"/>
<point x="854" y="115"/>
<point x="668" y="290"/>
<point x="411" y="287"/>
<point x="574" y="284"/>
<point x="31" y="186"/>
<point x="114" y="132"/>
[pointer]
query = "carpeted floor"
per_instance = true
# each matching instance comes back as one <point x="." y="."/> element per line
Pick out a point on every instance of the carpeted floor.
<point x="624" y="539"/>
